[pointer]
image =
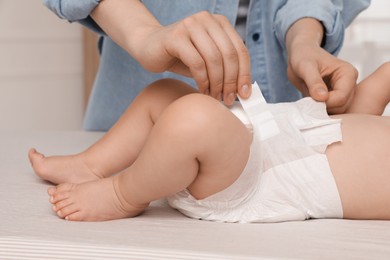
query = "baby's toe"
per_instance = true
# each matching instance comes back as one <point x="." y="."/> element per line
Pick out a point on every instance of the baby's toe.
<point x="62" y="204"/>
<point x="59" y="196"/>
<point x="76" y="216"/>
<point x="51" y="191"/>
<point x="34" y="156"/>
<point x="66" y="211"/>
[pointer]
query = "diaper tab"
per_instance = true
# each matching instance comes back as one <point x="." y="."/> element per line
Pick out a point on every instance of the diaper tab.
<point x="259" y="114"/>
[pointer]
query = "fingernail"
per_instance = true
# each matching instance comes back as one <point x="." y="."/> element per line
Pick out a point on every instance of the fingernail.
<point x="219" y="97"/>
<point x="231" y="97"/>
<point x="245" y="89"/>
<point x="321" y="91"/>
<point x="207" y="91"/>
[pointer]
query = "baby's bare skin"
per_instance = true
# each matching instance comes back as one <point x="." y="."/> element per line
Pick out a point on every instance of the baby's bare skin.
<point x="213" y="160"/>
<point x="361" y="166"/>
<point x="91" y="201"/>
<point x="60" y="169"/>
<point x="165" y="165"/>
<point x="353" y="170"/>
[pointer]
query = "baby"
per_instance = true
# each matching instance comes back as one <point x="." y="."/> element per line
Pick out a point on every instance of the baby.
<point x="256" y="163"/>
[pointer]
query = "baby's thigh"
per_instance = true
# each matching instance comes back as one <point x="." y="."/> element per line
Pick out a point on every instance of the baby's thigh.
<point x="225" y="154"/>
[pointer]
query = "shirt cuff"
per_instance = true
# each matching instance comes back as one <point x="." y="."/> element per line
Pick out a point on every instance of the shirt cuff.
<point x="71" y="10"/>
<point x="323" y="11"/>
<point x="75" y="11"/>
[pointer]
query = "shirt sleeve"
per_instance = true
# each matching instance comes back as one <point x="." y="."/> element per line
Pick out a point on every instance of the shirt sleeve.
<point x="75" y="11"/>
<point x="335" y="15"/>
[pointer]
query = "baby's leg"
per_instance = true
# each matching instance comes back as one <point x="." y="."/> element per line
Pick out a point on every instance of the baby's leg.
<point x="197" y="143"/>
<point x="58" y="169"/>
<point x="91" y="201"/>
<point x="117" y="149"/>
<point x="373" y="93"/>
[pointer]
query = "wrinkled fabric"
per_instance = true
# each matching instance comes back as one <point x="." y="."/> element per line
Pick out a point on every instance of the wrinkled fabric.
<point x="120" y="78"/>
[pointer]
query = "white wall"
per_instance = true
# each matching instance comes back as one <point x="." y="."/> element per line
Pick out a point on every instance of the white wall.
<point x="41" y="85"/>
<point x="367" y="41"/>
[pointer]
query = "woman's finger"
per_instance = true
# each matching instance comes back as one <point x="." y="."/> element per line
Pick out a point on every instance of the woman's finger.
<point x="243" y="82"/>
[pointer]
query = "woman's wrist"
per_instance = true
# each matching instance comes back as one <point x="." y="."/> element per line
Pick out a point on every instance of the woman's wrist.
<point x="125" y="21"/>
<point x="305" y="31"/>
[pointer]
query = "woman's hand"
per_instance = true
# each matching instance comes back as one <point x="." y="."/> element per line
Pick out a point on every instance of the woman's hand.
<point x="203" y="46"/>
<point x="317" y="73"/>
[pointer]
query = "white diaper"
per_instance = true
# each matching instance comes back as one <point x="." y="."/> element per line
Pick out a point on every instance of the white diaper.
<point x="287" y="176"/>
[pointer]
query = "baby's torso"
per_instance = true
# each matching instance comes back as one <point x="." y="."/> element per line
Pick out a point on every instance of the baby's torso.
<point x="365" y="148"/>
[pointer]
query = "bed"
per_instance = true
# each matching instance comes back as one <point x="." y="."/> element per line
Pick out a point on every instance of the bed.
<point x="30" y="230"/>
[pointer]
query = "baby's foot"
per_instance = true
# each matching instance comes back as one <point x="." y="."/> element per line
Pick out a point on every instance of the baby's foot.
<point x="91" y="201"/>
<point x="60" y="169"/>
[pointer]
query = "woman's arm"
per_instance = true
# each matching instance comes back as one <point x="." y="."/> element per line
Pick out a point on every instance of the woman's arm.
<point x="311" y="32"/>
<point x="314" y="71"/>
<point x="203" y="46"/>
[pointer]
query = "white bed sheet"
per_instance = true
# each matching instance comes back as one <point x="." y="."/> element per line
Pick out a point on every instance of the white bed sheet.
<point x="30" y="230"/>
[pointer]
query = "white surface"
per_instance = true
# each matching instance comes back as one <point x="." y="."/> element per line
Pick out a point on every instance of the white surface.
<point x="29" y="229"/>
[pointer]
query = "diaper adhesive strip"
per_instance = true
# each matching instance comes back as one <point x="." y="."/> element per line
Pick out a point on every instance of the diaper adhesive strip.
<point x="259" y="114"/>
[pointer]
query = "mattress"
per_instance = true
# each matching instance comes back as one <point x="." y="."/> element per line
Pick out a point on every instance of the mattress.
<point x="30" y="230"/>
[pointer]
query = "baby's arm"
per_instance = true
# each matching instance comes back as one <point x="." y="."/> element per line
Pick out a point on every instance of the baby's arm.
<point x="373" y="93"/>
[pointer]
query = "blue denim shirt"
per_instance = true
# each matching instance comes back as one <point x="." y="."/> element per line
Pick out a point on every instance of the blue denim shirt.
<point x="120" y="78"/>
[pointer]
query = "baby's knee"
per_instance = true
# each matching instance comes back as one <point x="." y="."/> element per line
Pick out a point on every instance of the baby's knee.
<point x="166" y="84"/>
<point x="198" y="107"/>
<point x="165" y="91"/>
<point x="194" y="113"/>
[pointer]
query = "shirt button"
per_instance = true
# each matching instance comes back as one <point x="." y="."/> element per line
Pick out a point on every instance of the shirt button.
<point x="255" y="37"/>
